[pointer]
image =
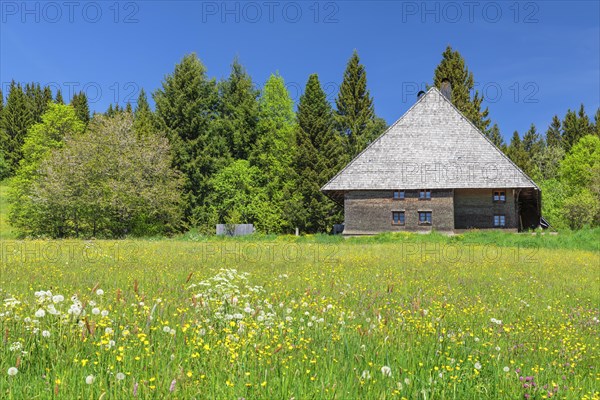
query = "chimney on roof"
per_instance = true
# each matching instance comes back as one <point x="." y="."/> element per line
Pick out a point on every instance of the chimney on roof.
<point x="446" y="89"/>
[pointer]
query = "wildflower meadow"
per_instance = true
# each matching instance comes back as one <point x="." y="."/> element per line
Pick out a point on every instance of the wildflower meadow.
<point x="297" y="319"/>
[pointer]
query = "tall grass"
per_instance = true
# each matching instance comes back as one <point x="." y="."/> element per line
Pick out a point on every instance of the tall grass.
<point x="301" y="318"/>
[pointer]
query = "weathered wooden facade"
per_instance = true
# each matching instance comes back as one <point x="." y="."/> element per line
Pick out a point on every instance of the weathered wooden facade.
<point x="433" y="169"/>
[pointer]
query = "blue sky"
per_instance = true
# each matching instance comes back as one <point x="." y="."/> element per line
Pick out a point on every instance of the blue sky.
<point x="530" y="59"/>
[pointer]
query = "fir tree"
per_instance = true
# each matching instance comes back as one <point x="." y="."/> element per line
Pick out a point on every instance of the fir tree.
<point x="59" y="98"/>
<point x="143" y="118"/>
<point x="35" y="101"/>
<point x="355" y="117"/>
<point x="531" y="142"/>
<point x="186" y="107"/>
<point x="496" y="138"/>
<point x="16" y="119"/>
<point x="554" y="133"/>
<point x="128" y="108"/>
<point x="575" y="126"/>
<point x="80" y="104"/>
<point x="110" y="112"/>
<point x="318" y="149"/>
<point x="453" y="68"/>
<point x="596" y="121"/>
<point x="516" y="152"/>
<point x="585" y="126"/>
<point x="238" y="111"/>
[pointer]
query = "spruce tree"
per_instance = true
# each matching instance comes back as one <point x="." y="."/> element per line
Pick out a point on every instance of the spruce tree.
<point x="596" y="122"/>
<point x="238" y="111"/>
<point x="495" y="137"/>
<point x="37" y="100"/>
<point x="554" y="133"/>
<point x="585" y="126"/>
<point x="110" y="111"/>
<point x="186" y="108"/>
<point x="47" y="95"/>
<point x="355" y="116"/>
<point x="453" y="68"/>
<point x="143" y="118"/>
<point x="318" y="149"/>
<point x="128" y="108"/>
<point x="575" y="126"/>
<point x="59" y="97"/>
<point x="1" y="103"/>
<point x="516" y="152"/>
<point x="16" y="119"/>
<point x="531" y="142"/>
<point x="80" y="104"/>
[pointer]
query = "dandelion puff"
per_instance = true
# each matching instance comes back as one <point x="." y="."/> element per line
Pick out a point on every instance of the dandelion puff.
<point x="365" y="375"/>
<point x="166" y="329"/>
<point x="46" y="334"/>
<point x="478" y="365"/>
<point x="99" y="292"/>
<point x="386" y="371"/>
<point x="95" y="311"/>
<point x="12" y="371"/>
<point x="40" y="313"/>
<point x="120" y="376"/>
<point x="89" y="379"/>
<point x="506" y="369"/>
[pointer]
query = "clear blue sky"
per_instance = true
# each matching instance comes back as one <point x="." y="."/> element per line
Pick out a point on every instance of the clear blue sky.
<point x="531" y="59"/>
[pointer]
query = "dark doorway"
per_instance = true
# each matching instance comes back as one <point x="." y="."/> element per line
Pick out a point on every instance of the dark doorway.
<point x="529" y="204"/>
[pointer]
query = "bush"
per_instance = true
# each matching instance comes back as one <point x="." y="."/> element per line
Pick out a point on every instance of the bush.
<point x="108" y="182"/>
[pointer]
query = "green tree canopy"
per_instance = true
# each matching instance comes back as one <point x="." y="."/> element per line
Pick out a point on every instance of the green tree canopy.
<point x="80" y="104"/>
<point x="108" y="182"/>
<point x="15" y="120"/>
<point x="453" y="68"/>
<point x="355" y="116"/>
<point x="186" y="106"/>
<point x="238" y="111"/>
<point x="274" y="150"/>
<point x="41" y="139"/>
<point x="318" y="156"/>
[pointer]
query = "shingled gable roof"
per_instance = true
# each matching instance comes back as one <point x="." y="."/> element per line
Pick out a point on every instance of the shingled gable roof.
<point x="432" y="146"/>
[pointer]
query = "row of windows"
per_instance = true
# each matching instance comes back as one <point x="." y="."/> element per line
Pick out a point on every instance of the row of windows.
<point x="425" y="194"/>
<point x="399" y="218"/>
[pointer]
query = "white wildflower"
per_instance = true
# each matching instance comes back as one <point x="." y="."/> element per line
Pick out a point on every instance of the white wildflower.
<point x="89" y="379"/>
<point x="12" y="371"/>
<point x="386" y="371"/>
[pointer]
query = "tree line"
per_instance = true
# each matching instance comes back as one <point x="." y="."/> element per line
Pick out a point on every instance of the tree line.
<point x="229" y="152"/>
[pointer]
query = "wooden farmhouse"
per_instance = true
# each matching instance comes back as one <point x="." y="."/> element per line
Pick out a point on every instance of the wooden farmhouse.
<point x="433" y="169"/>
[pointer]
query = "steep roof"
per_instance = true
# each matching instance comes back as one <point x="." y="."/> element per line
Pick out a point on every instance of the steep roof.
<point x="432" y="146"/>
